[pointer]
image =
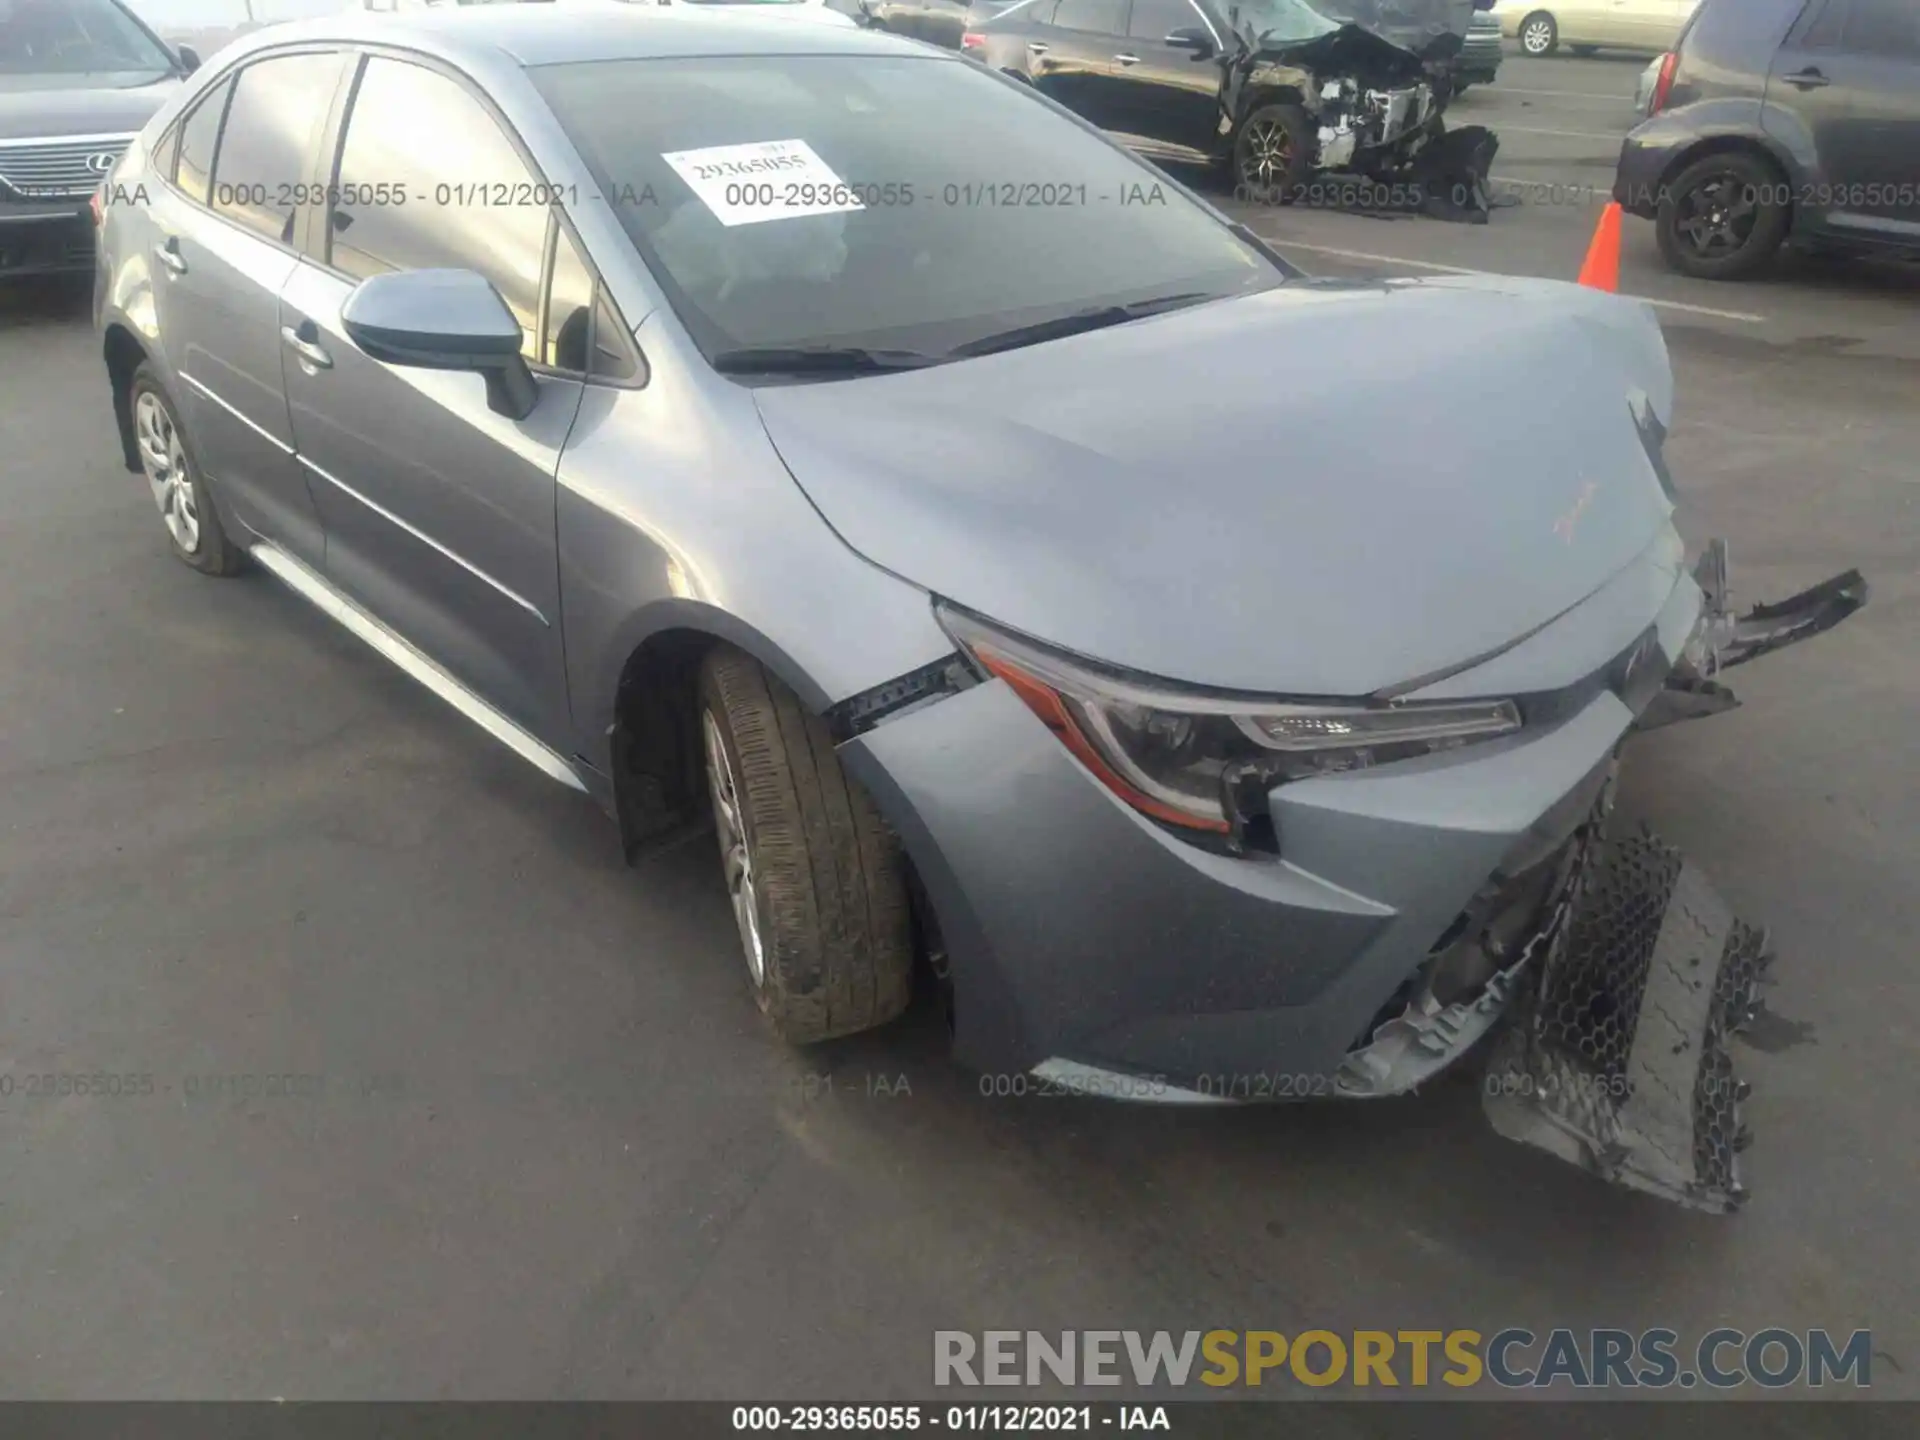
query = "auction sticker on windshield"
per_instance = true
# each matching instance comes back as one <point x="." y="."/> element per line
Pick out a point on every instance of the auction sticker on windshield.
<point x="767" y="180"/>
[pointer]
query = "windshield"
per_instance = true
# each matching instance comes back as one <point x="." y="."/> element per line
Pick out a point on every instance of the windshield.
<point x="95" y="38"/>
<point x="947" y="206"/>
<point x="1283" y="20"/>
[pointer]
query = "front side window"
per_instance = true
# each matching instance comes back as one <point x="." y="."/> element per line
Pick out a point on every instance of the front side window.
<point x="428" y="180"/>
<point x="266" y="149"/>
<point x="47" y="44"/>
<point x="954" y="207"/>
<point x="199" y="138"/>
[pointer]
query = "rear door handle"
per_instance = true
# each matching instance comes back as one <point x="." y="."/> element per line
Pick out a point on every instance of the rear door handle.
<point x="167" y="252"/>
<point x="310" y="351"/>
<point x="1034" y="47"/>
<point x="1808" y="79"/>
<point x="1127" y="59"/>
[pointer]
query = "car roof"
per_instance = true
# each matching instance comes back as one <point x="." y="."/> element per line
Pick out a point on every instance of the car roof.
<point x="534" y="35"/>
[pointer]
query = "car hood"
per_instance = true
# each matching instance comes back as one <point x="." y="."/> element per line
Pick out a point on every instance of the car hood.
<point x="81" y="109"/>
<point x="1322" y="490"/>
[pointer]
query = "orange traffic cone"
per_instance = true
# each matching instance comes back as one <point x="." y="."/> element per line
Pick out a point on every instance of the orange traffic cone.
<point x="1602" y="268"/>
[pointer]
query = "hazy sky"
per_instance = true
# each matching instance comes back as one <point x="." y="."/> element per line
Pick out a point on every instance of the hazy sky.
<point x="228" y="12"/>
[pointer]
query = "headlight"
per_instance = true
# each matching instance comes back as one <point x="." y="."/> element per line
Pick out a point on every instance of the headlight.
<point x="1205" y="761"/>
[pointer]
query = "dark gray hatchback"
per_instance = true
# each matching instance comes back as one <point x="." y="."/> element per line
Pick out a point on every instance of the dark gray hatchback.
<point x="78" y="80"/>
<point x="1776" y="121"/>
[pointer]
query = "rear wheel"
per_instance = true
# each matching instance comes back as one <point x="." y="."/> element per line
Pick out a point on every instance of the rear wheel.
<point x="817" y="882"/>
<point x="1539" y="34"/>
<point x="176" y="481"/>
<point x="1723" y="217"/>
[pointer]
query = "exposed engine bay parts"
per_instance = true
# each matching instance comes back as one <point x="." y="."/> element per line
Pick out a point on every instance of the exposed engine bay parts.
<point x="1374" y="107"/>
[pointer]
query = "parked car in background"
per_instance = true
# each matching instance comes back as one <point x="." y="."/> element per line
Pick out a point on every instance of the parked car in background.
<point x="1482" y="52"/>
<point x="1274" y="89"/>
<point x="1781" y="120"/>
<point x="815" y="12"/>
<point x="938" y="22"/>
<point x="1584" y="26"/>
<point x="78" y="78"/>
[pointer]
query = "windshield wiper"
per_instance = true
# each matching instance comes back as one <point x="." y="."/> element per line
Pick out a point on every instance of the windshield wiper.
<point x="1080" y="321"/>
<point x="818" y="360"/>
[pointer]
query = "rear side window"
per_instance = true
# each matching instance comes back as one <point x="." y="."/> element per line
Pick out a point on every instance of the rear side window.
<point x="1882" y="27"/>
<point x="428" y="180"/>
<point x="279" y="106"/>
<point x="199" y="138"/>
<point x="1101" y="17"/>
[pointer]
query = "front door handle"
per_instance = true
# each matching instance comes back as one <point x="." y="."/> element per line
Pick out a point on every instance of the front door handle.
<point x="1127" y="59"/>
<point x="1034" y="47"/>
<point x="1808" y="79"/>
<point x="310" y="351"/>
<point x="167" y="252"/>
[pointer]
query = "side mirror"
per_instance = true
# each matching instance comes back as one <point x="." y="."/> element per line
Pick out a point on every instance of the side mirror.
<point x="1190" y="37"/>
<point x="444" y="320"/>
<point x="189" y="59"/>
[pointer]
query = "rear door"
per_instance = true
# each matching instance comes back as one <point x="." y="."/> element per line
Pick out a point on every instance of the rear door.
<point x="1164" y="93"/>
<point x="223" y="246"/>
<point x="1848" y="77"/>
<point x="1070" y="56"/>
<point x="439" y="512"/>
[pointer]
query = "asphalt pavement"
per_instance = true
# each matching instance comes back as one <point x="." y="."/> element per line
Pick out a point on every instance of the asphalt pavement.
<point x="421" y="1093"/>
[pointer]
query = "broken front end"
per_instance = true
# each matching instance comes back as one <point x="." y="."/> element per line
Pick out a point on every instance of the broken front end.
<point x="1618" y="972"/>
<point x="1374" y="109"/>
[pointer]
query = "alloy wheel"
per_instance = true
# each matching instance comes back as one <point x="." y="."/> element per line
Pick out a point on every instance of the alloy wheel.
<point x="1536" y="36"/>
<point x="1269" y="153"/>
<point x="734" y="854"/>
<point x="1716" y="217"/>
<point x="164" y="460"/>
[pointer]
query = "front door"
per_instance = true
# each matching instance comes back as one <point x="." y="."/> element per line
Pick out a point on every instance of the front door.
<point x="1070" y="58"/>
<point x="439" y="512"/>
<point x="1167" y="94"/>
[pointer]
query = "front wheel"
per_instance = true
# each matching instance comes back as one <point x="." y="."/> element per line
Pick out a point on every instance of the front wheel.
<point x="174" y="477"/>
<point x="1539" y="34"/>
<point x="1273" y="153"/>
<point x="817" y="882"/>
<point x="1723" y="218"/>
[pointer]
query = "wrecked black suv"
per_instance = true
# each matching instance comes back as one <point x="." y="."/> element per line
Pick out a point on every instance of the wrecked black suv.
<point x="1275" y="90"/>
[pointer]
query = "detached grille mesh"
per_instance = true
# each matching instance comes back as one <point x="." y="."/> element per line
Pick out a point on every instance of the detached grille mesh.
<point x="1623" y="1065"/>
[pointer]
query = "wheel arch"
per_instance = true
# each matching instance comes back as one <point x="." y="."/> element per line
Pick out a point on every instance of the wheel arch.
<point x="653" y="733"/>
<point x="1727" y="144"/>
<point x="124" y="354"/>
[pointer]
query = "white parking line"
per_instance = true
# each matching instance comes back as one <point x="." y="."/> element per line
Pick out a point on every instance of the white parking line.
<point x="1373" y="259"/>
<point x="1597" y="194"/>
<point x="1613" y="138"/>
<point x="1565" y="95"/>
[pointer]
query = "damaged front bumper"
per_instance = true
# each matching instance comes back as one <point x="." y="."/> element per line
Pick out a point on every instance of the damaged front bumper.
<point x="1409" y="912"/>
<point x="1617" y="1058"/>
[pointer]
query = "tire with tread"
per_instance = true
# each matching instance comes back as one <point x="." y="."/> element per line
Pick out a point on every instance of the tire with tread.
<point x="215" y="554"/>
<point x="1302" y="138"/>
<point x="1552" y="34"/>
<point x="1772" y="221"/>
<point x="829" y="878"/>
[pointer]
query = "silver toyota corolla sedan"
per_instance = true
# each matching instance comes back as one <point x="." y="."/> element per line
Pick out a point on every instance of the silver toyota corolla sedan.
<point x="1039" y="584"/>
